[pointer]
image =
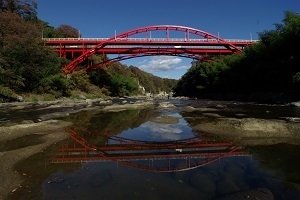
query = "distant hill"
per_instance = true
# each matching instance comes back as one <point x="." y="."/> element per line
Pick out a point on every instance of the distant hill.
<point x="122" y="80"/>
<point x="151" y="83"/>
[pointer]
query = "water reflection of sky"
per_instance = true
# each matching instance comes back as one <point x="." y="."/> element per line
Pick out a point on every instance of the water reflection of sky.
<point x="272" y="167"/>
<point x="159" y="132"/>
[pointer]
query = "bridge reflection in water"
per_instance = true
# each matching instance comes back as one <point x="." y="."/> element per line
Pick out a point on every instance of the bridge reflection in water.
<point x="171" y="156"/>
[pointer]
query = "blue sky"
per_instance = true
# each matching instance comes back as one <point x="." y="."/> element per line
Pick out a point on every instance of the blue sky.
<point x="231" y="19"/>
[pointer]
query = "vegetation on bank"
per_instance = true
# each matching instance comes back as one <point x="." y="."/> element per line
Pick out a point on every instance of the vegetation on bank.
<point x="270" y="66"/>
<point x="28" y="67"/>
<point x="120" y="80"/>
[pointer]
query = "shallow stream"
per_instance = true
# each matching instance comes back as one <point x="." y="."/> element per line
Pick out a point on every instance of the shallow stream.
<point x="156" y="154"/>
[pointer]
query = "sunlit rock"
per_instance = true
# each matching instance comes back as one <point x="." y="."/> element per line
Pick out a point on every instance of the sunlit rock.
<point x="20" y="98"/>
<point x="250" y="127"/>
<point x="166" y="105"/>
<point x="295" y="104"/>
<point x="81" y="96"/>
<point x="165" y="120"/>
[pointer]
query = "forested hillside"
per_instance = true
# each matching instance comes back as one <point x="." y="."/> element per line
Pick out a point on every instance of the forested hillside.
<point x="268" y="70"/>
<point x="29" y="68"/>
<point x="151" y="83"/>
<point x="120" y="80"/>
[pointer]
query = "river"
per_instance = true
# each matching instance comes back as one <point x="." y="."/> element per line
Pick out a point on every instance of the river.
<point x="154" y="153"/>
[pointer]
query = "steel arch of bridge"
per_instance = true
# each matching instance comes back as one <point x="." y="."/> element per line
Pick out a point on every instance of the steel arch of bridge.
<point x="103" y="64"/>
<point x="190" y="153"/>
<point x="148" y="29"/>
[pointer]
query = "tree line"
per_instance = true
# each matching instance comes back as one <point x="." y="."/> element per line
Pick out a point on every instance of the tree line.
<point x="28" y="67"/>
<point x="267" y="70"/>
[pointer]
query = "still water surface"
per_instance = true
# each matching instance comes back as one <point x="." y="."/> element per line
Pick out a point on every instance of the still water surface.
<point x="137" y="154"/>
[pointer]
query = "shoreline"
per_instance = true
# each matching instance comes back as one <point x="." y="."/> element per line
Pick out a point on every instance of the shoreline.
<point x="278" y="98"/>
<point x="50" y="129"/>
<point x="50" y="132"/>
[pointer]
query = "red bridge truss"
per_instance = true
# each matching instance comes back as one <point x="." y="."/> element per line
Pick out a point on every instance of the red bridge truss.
<point x="195" y="44"/>
<point x="152" y="156"/>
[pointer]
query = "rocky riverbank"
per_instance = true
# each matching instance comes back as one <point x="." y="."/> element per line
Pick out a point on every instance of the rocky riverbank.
<point x="251" y="131"/>
<point x="19" y="142"/>
<point x="30" y="127"/>
<point x="242" y="128"/>
<point x="22" y="137"/>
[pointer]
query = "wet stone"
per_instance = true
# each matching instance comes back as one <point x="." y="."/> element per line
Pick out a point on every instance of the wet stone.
<point x="235" y="171"/>
<point x="182" y="176"/>
<point x="100" y="179"/>
<point x="165" y="120"/>
<point x="166" y="105"/>
<point x="203" y="182"/>
<point x="56" y="179"/>
<point x="258" y="193"/>
<point x="226" y="186"/>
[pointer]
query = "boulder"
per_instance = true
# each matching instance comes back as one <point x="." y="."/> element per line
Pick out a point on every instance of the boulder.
<point x="166" y="105"/>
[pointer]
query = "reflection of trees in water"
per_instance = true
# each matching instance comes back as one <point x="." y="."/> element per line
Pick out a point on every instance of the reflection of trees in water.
<point x="282" y="158"/>
<point x="82" y="119"/>
<point x="115" y="123"/>
<point x="110" y="122"/>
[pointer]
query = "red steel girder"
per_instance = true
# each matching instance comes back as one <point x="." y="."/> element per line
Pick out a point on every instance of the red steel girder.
<point x="145" y="50"/>
<point x="194" y="150"/>
<point x="202" y="34"/>
<point x="142" y="41"/>
<point x="124" y="54"/>
<point x="126" y="57"/>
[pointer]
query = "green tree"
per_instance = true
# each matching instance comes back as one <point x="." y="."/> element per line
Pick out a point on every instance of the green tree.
<point x="268" y="66"/>
<point x="24" y="8"/>
<point x="26" y="64"/>
<point x="122" y="85"/>
<point x="67" y="31"/>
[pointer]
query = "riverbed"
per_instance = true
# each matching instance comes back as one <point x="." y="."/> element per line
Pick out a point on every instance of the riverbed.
<point x="196" y="149"/>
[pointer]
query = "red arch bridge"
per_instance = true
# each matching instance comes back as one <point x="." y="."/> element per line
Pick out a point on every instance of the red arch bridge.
<point x="173" y="40"/>
<point x="152" y="156"/>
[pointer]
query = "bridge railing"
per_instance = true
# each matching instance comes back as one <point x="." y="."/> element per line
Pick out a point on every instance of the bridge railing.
<point x="148" y="39"/>
<point x="137" y="46"/>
